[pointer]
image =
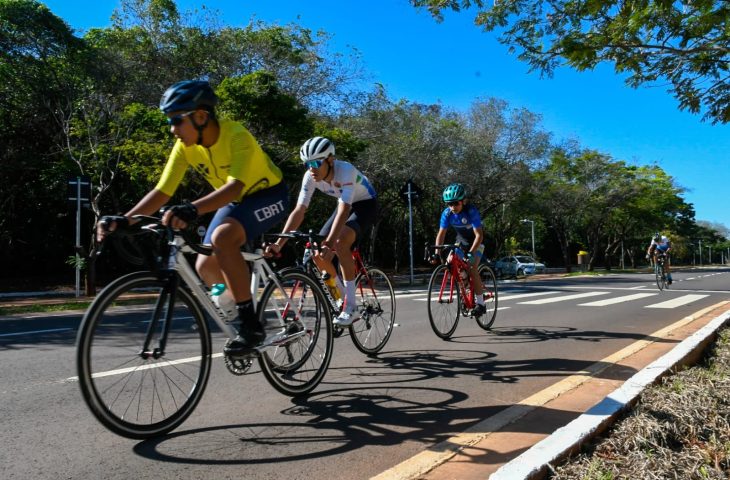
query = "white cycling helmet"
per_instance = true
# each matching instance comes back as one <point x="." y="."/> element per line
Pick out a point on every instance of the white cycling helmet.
<point x="316" y="148"/>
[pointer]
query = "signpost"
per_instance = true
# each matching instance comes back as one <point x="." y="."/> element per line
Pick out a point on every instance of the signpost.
<point x="79" y="192"/>
<point x="411" y="192"/>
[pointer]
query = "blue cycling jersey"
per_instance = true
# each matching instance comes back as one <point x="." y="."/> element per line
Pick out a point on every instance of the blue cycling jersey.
<point x="463" y="222"/>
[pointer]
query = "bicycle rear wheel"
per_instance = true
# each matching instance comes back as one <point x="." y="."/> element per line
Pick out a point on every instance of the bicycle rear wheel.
<point x="661" y="278"/>
<point x="297" y="364"/>
<point x="134" y="393"/>
<point x="376" y="301"/>
<point x="443" y="302"/>
<point x="489" y="288"/>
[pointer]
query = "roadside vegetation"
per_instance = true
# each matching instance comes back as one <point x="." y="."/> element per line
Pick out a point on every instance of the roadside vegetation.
<point x="679" y="429"/>
<point x="86" y="104"/>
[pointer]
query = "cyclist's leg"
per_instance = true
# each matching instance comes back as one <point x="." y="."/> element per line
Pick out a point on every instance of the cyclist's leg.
<point x="474" y="272"/>
<point x="236" y="224"/>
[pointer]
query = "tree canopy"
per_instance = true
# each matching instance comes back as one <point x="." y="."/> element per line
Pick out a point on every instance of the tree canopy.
<point x="684" y="44"/>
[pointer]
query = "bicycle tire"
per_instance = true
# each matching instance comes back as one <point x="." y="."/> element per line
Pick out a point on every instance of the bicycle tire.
<point x="376" y="301"/>
<point x="660" y="278"/>
<point x="133" y="396"/>
<point x="296" y="367"/>
<point x="489" y="287"/>
<point x="443" y="314"/>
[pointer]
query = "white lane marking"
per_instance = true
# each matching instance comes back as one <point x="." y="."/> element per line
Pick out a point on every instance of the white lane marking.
<point x="140" y="368"/>
<point x="638" y="288"/>
<point x="677" y="302"/>
<point x="562" y="299"/>
<point x="35" y="331"/>
<point x="523" y="295"/>
<point x="611" y="301"/>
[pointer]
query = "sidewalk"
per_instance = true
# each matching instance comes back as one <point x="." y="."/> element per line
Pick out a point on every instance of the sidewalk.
<point x="519" y="442"/>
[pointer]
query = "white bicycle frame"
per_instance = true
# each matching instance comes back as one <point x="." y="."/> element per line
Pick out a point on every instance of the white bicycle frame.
<point x="261" y="275"/>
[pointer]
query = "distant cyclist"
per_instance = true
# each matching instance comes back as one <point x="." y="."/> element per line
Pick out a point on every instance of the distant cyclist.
<point x="248" y="194"/>
<point x="356" y="210"/>
<point x="662" y="244"/>
<point x="465" y="219"/>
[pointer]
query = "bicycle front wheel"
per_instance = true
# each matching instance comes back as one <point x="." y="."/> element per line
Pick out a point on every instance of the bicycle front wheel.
<point x="443" y="302"/>
<point x="296" y="306"/>
<point x="489" y="292"/>
<point x="376" y="302"/>
<point x="140" y="375"/>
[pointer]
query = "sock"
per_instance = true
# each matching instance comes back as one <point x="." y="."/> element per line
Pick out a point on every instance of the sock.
<point x="340" y="286"/>
<point x="246" y="311"/>
<point x="480" y="299"/>
<point x="350" y="298"/>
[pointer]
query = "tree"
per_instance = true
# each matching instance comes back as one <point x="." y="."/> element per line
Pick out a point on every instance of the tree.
<point x="683" y="43"/>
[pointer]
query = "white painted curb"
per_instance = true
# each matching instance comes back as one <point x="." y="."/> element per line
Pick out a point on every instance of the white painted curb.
<point x="534" y="461"/>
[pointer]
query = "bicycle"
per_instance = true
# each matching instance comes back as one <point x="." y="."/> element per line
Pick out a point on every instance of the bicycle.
<point x="659" y="271"/>
<point x="376" y="297"/>
<point x="451" y="292"/>
<point x="144" y="346"/>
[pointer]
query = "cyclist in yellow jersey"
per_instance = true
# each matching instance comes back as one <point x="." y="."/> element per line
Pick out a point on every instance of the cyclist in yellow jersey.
<point x="249" y="194"/>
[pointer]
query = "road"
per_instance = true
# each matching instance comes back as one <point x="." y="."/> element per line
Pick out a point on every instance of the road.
<point x="368" y="415"/>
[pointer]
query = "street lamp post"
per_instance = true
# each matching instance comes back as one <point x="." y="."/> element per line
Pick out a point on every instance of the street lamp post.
<point x="532" y="228"/>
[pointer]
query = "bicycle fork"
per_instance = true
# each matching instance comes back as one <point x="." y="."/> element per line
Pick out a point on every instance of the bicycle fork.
<point x="165" y="299"/>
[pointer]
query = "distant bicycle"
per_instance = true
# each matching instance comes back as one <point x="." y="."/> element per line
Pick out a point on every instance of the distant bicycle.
<point x="659" y="270"/>
<point x="451" y="292"/>
<point x="144" y="347"/>
<point x="374" y="291"/>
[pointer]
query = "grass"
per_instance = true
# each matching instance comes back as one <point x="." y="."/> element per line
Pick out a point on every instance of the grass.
<point x="41" y="308"/>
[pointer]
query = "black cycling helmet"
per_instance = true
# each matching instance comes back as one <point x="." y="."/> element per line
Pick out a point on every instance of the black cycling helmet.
<point x="454" y="193"/>
<point x="657" y="236"/>
<point x="188" y="95"/>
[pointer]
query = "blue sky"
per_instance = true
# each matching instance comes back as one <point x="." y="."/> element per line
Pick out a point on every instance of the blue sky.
<point x="454" y="63"/>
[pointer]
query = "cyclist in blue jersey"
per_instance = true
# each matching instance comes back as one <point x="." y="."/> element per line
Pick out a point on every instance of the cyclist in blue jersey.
<point x="662" y="244"/>
<point x="464" y="218"/>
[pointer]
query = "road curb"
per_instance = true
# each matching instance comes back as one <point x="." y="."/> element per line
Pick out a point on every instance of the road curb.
<point x="534" y="463"/>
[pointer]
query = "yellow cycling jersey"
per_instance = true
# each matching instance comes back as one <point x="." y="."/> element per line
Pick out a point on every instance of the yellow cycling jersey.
<point x="236" y="155"/>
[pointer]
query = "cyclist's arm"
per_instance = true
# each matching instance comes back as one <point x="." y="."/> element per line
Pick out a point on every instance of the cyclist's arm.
<point x="440" y="237"/>
<point x="296" y="217"/>
<point x="149" y="204"/>
<point x="478" y="239"/>
<point x="230" y="192"/>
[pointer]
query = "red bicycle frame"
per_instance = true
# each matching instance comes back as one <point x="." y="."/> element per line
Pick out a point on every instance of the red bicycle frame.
<point x="456" y="266"/>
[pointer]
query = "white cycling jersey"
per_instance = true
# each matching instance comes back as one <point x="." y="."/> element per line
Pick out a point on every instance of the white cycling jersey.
<point x="663" y="244"/>
<point x="349" y="185"/>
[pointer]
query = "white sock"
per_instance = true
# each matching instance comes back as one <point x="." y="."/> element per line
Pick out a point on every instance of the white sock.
<point x="350" y="298"/>
<point x="340" y="286"/>
<point x="480" y="299"/>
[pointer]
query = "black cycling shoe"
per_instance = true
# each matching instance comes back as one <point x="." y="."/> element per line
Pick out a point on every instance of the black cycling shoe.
<point x="250" y="336"/>
<point x="479" y="310"/>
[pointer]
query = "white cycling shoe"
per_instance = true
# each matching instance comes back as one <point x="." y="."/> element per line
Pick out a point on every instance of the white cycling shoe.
<point x="346" y="318"/>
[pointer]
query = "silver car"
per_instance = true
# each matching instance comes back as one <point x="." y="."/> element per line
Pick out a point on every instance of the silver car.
<point x="517" y="266"/>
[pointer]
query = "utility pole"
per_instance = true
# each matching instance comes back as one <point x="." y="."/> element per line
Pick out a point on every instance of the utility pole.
<point x="532" y="228"/>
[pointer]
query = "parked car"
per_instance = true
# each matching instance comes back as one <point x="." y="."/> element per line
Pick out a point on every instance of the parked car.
<point x="517" y="266"/>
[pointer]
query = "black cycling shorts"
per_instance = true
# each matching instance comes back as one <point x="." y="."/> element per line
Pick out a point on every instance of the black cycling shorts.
<point x="362" y="216"/>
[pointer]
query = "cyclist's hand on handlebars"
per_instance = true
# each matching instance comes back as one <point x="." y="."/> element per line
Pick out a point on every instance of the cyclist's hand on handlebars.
<point x="648" y="256"/>
<point x="108" y="224"/>
<point x="178" y="216"/>
<point x="272" y="250"/>
<point x="435" y="259"/>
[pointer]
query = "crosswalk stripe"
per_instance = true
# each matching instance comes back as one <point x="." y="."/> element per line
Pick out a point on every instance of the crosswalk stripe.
<point x="611" y="301"/>
<point x="677" y="302"/>
<point x="523" y="295"/>
<point x="561" y="299"/>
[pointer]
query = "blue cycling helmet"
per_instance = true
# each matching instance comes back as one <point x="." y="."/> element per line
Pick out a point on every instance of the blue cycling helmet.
<point x="454" y="192"/>
<point x="188" y="95"/>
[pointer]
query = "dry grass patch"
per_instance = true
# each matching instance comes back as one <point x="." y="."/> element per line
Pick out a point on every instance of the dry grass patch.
<point x="679" y="429"/>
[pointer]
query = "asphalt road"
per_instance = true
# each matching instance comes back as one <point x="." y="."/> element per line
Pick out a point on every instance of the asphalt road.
<point x="368" y="414"/>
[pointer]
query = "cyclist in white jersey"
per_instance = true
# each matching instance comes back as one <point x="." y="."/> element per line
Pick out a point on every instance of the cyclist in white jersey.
<point x="661" y="243"/>
<point x="356" y="210"/>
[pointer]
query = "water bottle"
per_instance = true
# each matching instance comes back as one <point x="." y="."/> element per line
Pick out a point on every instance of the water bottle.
<point x="223" y="299"/>
<point x="459" y="253"/>
<point x="332" y="285"/>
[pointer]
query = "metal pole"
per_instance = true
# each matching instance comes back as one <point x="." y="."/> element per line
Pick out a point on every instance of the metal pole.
<point x="700" y="252"/>
<point x="78" y="236"/>
<point x="532" y="224"/>
<point x="410" y="228"/>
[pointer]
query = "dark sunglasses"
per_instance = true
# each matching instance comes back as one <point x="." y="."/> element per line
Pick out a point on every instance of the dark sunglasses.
<point x="178" y="119"/>
<point x="453" y="204"/>
<point x="313" y="164"/>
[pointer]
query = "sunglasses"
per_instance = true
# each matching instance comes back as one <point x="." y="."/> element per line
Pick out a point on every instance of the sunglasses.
<point x="453" y="204"/>
<point x="313" y="164"/>
<point x="178" y="119"/>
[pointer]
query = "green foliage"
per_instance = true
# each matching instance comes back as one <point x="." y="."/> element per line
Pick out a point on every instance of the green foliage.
<point x="685" y="44"/>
